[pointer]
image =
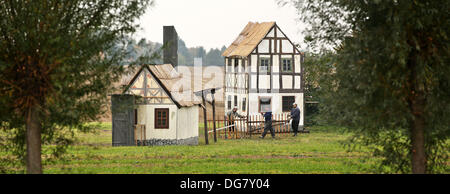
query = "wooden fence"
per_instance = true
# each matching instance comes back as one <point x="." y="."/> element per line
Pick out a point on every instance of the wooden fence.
<point x="253" y="125"/>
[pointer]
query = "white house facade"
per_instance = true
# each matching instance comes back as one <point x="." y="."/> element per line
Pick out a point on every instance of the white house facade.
<point x="263" y="71"/>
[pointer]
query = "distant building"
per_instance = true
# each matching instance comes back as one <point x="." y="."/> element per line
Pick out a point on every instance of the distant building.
<point x="153" y="109"/>
<point x="263" y="71"/>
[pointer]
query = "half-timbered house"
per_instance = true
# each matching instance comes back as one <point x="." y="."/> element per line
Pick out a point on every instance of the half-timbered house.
<point x="263" y="71"/>
<point x="155" y="108"/>
<point x="168" y="113"/>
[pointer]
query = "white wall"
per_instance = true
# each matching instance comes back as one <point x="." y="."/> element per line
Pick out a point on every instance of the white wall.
<point x="263" y="47"/>
<point x="254" y="61"/>
<point x="187" y="122"/>
<point x="287" y="81"/>
<point x="287" y="46"/>
<point x="297" y="63"/>
<point x="146" y="116"/>
<point x="264" y="81"/>
<point x="275" y="64"/>
<point x="276" y="102"/>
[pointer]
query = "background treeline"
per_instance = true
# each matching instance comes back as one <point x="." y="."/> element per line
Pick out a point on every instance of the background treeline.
<point x="154" y="52"/>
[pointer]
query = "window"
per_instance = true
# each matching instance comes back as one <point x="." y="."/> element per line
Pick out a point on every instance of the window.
<point x="229" y="103"/>
<point x="287" y="102"/>
<point x="161" y="118"/>
<point x="265" y="104"/>
<point x="244" y="104"/>
<point x="264" y="65"/>
<point x="287" y="65"/>
<point x="235" y="101"/>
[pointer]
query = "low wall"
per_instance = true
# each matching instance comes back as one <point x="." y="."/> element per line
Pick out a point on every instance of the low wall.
<point x="160" y="142"/>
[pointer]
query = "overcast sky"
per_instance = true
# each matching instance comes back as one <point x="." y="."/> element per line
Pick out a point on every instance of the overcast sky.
<point x="215" y="23"/>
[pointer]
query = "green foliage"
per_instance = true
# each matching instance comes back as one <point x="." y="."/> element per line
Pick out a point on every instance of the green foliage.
<point x="60" y="58"/>
<point x="391" y="69"/>
<point x="318" y="68"/>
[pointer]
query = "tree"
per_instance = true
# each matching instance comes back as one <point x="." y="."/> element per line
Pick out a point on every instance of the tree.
<point x="56" y="65"/>
<point x="391" y="84"/>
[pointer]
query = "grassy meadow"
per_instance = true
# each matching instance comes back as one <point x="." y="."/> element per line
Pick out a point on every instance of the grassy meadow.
<point x="317" y="152"/>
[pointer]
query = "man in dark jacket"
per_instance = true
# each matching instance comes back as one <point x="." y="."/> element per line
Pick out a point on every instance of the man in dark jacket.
<point x="267" y="125"/>
<point x="295" y="116"/>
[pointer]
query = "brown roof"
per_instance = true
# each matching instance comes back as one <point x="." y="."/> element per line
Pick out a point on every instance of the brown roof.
<point x="248" y="39"/>
<point x="168" y="78"/>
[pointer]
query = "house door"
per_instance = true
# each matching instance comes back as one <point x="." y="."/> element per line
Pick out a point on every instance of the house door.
<point x="123" y="119"/>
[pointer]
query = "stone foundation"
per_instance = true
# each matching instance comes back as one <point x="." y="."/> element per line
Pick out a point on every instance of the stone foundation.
<point x="160" y="142"/>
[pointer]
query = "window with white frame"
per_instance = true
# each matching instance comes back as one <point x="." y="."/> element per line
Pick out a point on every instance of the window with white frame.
<point x="287" y="65"/>
<point x="264" y="65"/>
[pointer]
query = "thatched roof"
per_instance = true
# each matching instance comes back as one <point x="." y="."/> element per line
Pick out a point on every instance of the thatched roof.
<point x="170" y="80"/>
<point x="248" y="39"/>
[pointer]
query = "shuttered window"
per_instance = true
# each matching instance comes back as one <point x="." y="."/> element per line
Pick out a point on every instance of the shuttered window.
<point x="287" y="102"/>
<point x="161" y="118"/>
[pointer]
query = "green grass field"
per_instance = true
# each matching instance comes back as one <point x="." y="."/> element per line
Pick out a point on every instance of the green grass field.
<point x="317" y="152"/>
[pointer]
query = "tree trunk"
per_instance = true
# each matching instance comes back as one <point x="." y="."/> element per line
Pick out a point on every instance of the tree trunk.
<point x="418" y="159"/>
<point x="33" y="137"/>
<point x="417" y="104"/>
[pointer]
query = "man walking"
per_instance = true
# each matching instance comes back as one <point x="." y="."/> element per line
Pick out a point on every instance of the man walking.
<point x="295" y="116"/>
<point x="231" y="116"/>
<point x="267" y="125"/>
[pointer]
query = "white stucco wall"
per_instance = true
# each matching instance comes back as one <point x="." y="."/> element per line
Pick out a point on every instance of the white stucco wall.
<point x="297" y="82"/>
<point x="146" y="116"/>
<point x="254" y="61"/>
<point x="263" y="47"/>
<point x="276" y="102"/>
<point x="275" y="64"/>
<point x="287" y="81"/>
<point x="287" y="46"/>
<point x="271" y="33"/>
<point x="264" y="81"/>
<point x="187" y="122"/>
<point x="297" y="63"/>
<point x="276" y="81"/>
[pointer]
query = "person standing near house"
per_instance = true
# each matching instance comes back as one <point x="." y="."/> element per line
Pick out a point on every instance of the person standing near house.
<point x="231" y="116"/>
<point x="295" y="116"/>
<point x="267" y="124"/>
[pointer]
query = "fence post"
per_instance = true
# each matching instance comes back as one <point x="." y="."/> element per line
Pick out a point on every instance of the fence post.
<point x="226" y="124"/>
<point x="204" y="118"/>
<point x="213" y="103"/>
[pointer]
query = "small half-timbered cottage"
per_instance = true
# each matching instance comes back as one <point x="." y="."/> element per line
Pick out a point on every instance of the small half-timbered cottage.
<point x="154" y="108"/>
<point x="263" y="71"/>
<point x="170" y="115"/>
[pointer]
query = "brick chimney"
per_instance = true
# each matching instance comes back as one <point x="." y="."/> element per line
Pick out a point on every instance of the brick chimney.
<point x="170" y="52"/>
